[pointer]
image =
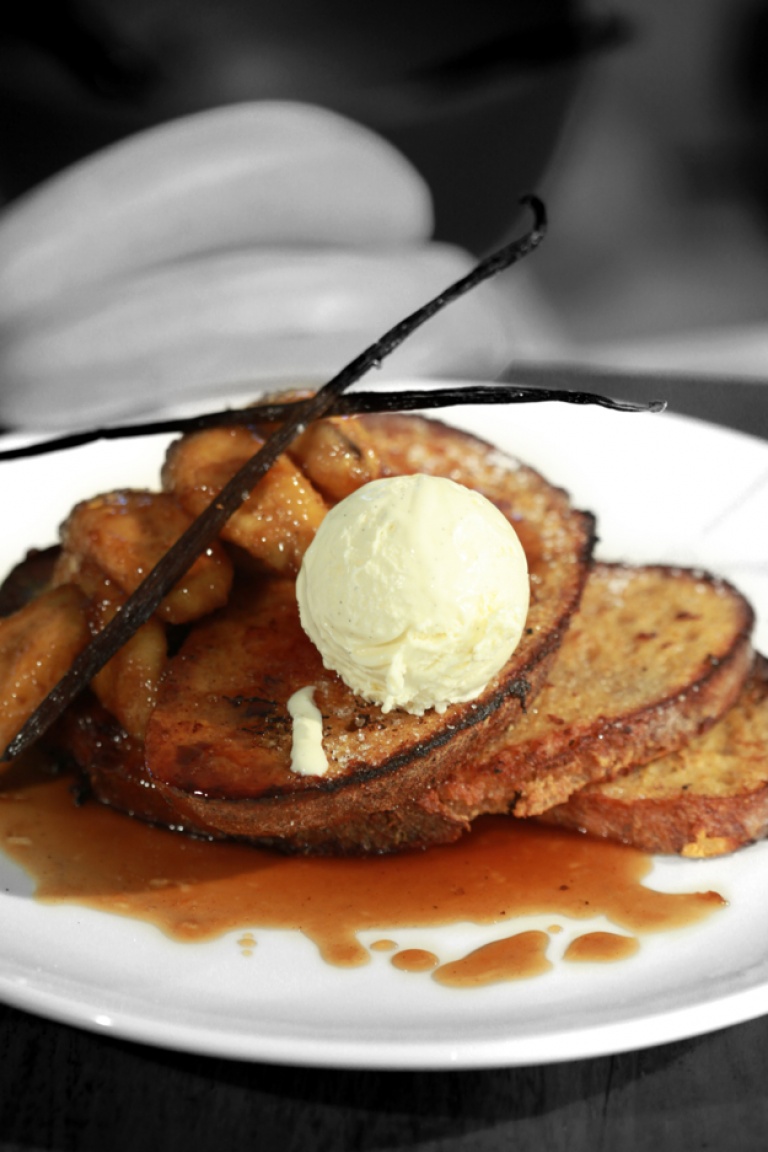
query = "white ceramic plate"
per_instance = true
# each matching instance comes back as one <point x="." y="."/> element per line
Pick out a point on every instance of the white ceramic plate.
<point x="664" y="489"/>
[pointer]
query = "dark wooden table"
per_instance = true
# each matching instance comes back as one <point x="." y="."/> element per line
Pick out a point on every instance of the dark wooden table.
<point x="63" y="1089"/>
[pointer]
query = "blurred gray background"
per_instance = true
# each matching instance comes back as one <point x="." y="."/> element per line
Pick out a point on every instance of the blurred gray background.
<point x="644" y="124"/>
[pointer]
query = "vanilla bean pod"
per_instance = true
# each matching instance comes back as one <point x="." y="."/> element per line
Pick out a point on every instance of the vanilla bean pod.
<point x="352" y="404"/>
<point x="142" y="604"/>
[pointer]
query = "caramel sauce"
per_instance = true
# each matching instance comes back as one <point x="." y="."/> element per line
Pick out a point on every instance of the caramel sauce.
<point x="602" y="947"/>
<point x="415" y="960"/>
<point x="383" y="945"/>
<point x="513" y="958"/>
<point x="195" y="890"/>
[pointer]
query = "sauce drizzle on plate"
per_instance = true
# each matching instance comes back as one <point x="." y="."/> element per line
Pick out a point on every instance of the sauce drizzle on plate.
<point x="195" y="890"/>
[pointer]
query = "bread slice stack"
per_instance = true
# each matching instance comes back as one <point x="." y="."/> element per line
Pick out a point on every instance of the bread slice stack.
<point x="651" y="729"/>
<point x="707" y="798"/>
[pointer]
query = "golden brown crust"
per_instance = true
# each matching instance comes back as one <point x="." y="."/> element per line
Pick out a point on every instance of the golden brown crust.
<point x="706" y="799"/>
<point x="653" y="657"/>
<point x="111" y="761"/>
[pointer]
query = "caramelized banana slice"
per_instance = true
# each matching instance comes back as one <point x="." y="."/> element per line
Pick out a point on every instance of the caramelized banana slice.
<point x="37" y="645"/>
<point x="338" y="453"/>
<point x="125" y="533"/>
<point x="338" y="456"/>
<point x="276" y="524"/>
<point x="127" y="685"/>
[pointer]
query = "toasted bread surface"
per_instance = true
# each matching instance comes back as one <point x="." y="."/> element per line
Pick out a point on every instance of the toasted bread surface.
<point x="654" y="655"/>
<point x="705" y="799"/>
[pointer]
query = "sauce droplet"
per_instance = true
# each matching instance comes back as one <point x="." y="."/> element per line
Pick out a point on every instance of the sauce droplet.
<point x="415" y="960"/>
<point x="601" y="947"/>
<point x="383" y="946"/>
<point x="515" y="957"/>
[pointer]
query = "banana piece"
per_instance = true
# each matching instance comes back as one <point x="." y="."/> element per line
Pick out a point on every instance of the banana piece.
<point x="241" y="322"/>
<point x="230" y="177"/>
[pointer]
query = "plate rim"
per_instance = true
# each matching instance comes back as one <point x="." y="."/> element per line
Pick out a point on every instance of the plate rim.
<point x="552" y="1047"/>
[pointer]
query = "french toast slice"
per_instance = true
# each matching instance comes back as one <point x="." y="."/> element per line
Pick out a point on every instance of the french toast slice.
<point x="218" y="743"/>
<point x="654" y="656"/>
<point x="705" y="799"/>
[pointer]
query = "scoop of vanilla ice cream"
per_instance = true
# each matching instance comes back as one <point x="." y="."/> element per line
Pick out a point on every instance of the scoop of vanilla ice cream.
<point x="415" y="590"/>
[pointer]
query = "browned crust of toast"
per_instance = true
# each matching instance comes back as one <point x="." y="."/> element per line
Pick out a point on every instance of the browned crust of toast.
<point x="111" y="762"/>
<point x="654" y="656"/>
<point x="218" y="742"/>
<point x="706" y="799"/>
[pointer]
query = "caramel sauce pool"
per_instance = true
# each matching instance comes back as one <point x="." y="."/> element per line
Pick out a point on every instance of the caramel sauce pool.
<point x="195" y="890"/>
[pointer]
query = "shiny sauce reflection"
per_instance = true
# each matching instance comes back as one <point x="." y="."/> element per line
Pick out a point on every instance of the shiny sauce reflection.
<point x="195" y="890"/>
